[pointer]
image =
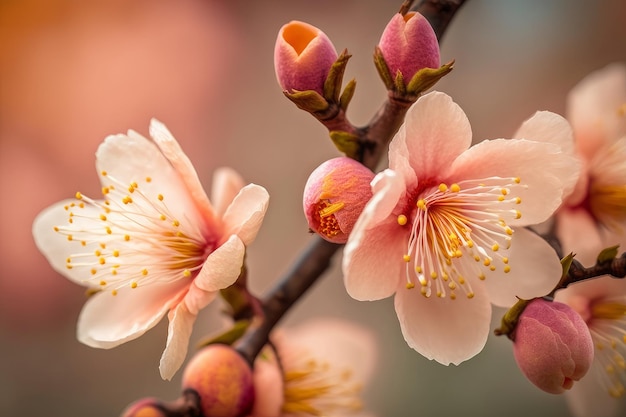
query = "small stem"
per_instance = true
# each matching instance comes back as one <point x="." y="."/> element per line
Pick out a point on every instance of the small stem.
<point x="615" y="268"/>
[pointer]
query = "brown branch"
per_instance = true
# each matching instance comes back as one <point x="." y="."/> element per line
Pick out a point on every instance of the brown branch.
<point x="615" y="267"/>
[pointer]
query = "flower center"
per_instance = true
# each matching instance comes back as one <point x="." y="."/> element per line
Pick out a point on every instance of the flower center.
<point x="131" y="238"/>
<point x="459" y="231"/>
<point x="319" y="389"/>
<point x="324" y="215"/>
<point x="608" y="205"/>
<point x="608" y="330"/>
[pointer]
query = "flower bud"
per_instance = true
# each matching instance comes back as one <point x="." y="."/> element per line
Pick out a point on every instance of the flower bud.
<point x="303" y="55"/>
<point x="409" y="44"/>
<point x="552" y="345"/>
<point x="222" y="379"/>
<point x="146" y="407"/>
<point x="334" y="197"/>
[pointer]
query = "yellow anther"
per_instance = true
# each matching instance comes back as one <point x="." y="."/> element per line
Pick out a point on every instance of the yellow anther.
<point x="508" y="230"/>
<point x="507" y="269"/>
<point x="68" y="260"/>
<point x="102" y="261"/>
<point x="127" y="200"/>
<point x="83" y="243"/>
<point x="160" y="197"/>
<point x="452" y="285"/>
<point x="407" y="258"/>
<point x="133" y="285"/>
<point x="162" y="217"/>
<point x="433" y="275"/>
<point x="470" y="295"/>
<point x="410" y="285"/>
<point x="487" y="262"/>
<point x="106" y="190"/>
<point x="505" y="260"/>
<point x="144" y="272"/>
<point x="93" y="271"/>
<point x="518" y="200"/>
<point x="148" y="179"/>
<point x="452" y="296"/>
<point x="70" y="237"/>
<point x="458" y="253"/>
<point x="103" y="173"/>
<point x="421" y="204"/>
<point x="56" y="228"/>
<point x="81" y="205"/>
<point x="116" y="253"/>
<point x="418" y="269"/>
<point x="481" y="276"/>
<point x="402" y="220"/>
<point x="439" y="294"/>
<point x="78" y="196"/>
<point x="517" y="180"/>
<point x="113" y="271"/>
<point x="114" y="293"/>
<point x="131" y="189"/>
<point x="504" y="191"/>
<point x="461" y="280"/>
<point x="518" y="214"/>
<point x="186" y="273"/>
<point x="424" y="291"/>
<point x="455" y="188"/>
<point x="176" y="223"/>
<point x="103" y="283"/>
<point x="470" y="244"/>
<point x="495" y="247"/>
<point x="492" y="267"/>
<point x="103" y="217"/>
<point x="108" y="230"/>
<point x="126" y="238"/>
<point x="477" y="258"/>
<point x="500" y="198"/>
<point x="443" y="187"/>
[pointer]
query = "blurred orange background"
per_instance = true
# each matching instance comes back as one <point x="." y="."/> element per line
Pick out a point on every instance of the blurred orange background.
<point x="72" y="72"/>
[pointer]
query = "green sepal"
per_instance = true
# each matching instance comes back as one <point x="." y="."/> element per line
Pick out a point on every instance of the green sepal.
<point x="347" y="94"/>
<point x="308" y="100"/>
<point x="346" y="142"/>
<point x="427" y="77"/>
<point x="332" y="84"/>
<point x="399" y="86"/>
<point x="383" y="69"/>
<point x="510" y="319"/>
<point x="228" y="337"/>
<point x="566" y="262"/>
<point x="608" y="254"/>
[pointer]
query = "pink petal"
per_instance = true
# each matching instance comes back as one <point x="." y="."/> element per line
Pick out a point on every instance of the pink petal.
<point x="245" y="215"/>
<point x="592" y="108"/>
<point x="107" y="321"/>
<point x="542" y="167"/>
<point x="226" y="184"/>
<point x="183" y="166"/>
<point x="268" y="388"/>
<point x="535" y="270"/>
<point x="178" y="334"/>
<point x="448" y="331"/>
<point x="571" y="225"/>
<point x="222" y="267"/>
<point x="435" y="132"/>
<point x="589" y="397"/>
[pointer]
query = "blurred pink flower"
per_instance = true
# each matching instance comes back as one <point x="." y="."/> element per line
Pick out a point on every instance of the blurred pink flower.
<point x="601" y="302"/>
<point x="154" y="244"/>
<point x="596" y="108"/>
<point x="443" y="218"/>
<point x="323" y="365"/>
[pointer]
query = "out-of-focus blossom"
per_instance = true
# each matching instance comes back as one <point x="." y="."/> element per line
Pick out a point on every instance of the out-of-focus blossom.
<point x="552" y="345"/>
<point x="303" y="55"/>
<point x="318" y="368"/>
<point x="409" y="44"/>
<point x="153" y="244"/>
<point x="446" y="219"/>
<point x="601" y="302"/>
<point x="334" y="197"/>
<point x="145" y="407"/>
<point x="596" y="210"/>
<point x="223" y="380"/>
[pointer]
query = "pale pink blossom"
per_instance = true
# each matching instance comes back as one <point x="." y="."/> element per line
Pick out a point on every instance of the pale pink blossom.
<point x="446" y="218"/>
<point x="153" y="245"/>
<point x="602" y="304"/>
<point x="324" y="364"/>
<point x="596" y="109"/>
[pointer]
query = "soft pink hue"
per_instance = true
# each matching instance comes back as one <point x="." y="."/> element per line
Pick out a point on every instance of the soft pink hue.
<point x="596" y="108"/>
<point x="324" y="363"/>
<point x="602" y="304"/>
<point x="154" y="245"/>
<point x="334" y="197"/>
<point x="447" y="219"/>
<point x="223" y="379"/>
<point x="409" y="44"/>
<point x="145" y="407"/>
<point x="303" y="55"/>
<point x="552" y="345"/>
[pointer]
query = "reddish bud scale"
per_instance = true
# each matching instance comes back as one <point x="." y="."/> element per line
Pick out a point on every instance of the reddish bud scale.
<point x="222" y="379"/>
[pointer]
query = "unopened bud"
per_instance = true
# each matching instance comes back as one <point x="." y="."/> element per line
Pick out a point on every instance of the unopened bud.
<point x="146" y="407"/>
<point x="334" y="197"/>
<point x="552" y="345"/>
<point x="409" y="44"/>
<point x="222" y="379"/>
<point x="303" y="56"/>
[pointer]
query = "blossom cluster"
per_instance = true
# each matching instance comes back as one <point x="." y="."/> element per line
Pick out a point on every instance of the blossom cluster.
<point x="449" y="229"/>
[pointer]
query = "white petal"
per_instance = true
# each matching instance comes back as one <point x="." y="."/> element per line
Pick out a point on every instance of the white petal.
<point x="535" y="270"/>
<point x="178" y="334"/>
<point x="222" y="267"/>
<point x="434" y="133"/>
<point x="245" y="215"/>
<point x="226" y="184"/>
<point x="588" y="397"/>
<point x="183" y="166"/>
<point x="445" y="330"/>
<point x="107" y="321"/>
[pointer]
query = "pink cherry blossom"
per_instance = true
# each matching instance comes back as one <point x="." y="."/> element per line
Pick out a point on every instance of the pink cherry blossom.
<point x="596" y="109"/>
<point x="323" y="366"/>
<point x="153" y="245"/>
<point x="446" y="218"/>
<point x="602" y="304"/>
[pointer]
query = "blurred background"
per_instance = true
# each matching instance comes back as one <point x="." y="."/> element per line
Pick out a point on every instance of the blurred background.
<point x="72" y="72"/>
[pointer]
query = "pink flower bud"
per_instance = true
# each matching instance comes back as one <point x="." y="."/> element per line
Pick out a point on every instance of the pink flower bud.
<point x="146" y="407"/>
<point x="334" y="197"/>
<point x="409" y="44"/>
<point x="303" y="56"/>
<point x="552" y="345"/>
<point x="223" y="379"/>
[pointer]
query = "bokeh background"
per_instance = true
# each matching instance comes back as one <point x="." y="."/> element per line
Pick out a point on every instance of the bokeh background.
<point x="72" y="72"/>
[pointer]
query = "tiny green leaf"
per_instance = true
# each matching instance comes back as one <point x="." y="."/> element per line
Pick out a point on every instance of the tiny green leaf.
<point x="346" y="142"/>
<point x="228" y="337"/>
<point x="608" y="254"/>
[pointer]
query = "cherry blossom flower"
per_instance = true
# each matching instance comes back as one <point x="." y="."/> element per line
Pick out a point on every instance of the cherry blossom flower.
<point x="601" y="302"/>
<point x="323" y="365"/>
<point x="154" y="244"/>
<point x="596" y="109"/>
<point x="446" y="219"/>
